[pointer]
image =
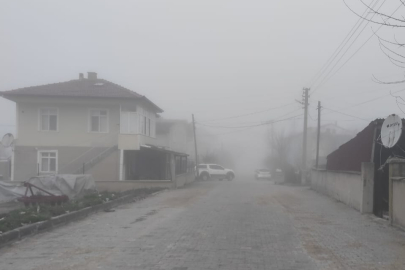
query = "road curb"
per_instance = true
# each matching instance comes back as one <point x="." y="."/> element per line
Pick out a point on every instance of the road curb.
<point x="15" y="235"/>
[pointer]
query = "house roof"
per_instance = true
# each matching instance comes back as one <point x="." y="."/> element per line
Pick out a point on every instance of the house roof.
<point x="81" y="88"/>
<point x="350" y="155"/>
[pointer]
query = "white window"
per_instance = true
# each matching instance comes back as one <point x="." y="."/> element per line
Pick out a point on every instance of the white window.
<point x="98" y="120"/>
<point x="48" y="161"/>
<point x="48" y="119"/>
<point x="129" y="122"/>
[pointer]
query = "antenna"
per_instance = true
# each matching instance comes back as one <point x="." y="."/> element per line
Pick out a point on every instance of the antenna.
<point x="7" y="140"/>
<point x="391" y="131"/>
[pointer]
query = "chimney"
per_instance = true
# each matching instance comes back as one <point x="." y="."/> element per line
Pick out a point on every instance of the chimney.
<point x="81" y="76"/>
<point x="92" y="75"/>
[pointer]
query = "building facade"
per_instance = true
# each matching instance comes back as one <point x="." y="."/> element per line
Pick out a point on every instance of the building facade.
<point x="88" y="125"/>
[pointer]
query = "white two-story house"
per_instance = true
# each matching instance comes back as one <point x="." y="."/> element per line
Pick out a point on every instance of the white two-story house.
<point x="88" y="125"/>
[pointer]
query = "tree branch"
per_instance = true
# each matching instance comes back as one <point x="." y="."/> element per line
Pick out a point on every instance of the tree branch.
<point x="382" y="14"/>
<point x="364" y="18"/>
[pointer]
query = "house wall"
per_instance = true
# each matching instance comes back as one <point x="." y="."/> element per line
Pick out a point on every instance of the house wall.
<point x="73" y="125"/>
<point x="352" y="188"/>
<point x="107" y="169"/>
<point x="70" y="159"/>
<point x="134" y="141"/>
<point x="176" y="139"/>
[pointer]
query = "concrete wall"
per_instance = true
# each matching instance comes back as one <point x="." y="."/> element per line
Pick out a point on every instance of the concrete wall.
<point x="343" y="186"/>
<point x="119" y="186"/>
<point x="352" y="188"/>
<point x="398" y="200"/>
<point x="184" y="179"/>
<point x="397" y="192"/>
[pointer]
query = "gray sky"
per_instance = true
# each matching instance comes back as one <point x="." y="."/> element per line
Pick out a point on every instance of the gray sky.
<point x="214" y="58"/>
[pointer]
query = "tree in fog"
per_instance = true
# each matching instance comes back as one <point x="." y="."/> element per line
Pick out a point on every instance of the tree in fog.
<point x="280" y="148"/>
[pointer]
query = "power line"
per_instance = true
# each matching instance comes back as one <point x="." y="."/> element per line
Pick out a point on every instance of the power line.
<point x="244" y="129"/>
<point x="325" y="81"/>
<point x="257" y="125"/>
<point x="247" y="114"/>
<point x="326" y="78"/>
<point x="362" y="103"/>
<point x="346" y="114"/>
<point x="339" y="48"/>
<point x="261" y="122"/>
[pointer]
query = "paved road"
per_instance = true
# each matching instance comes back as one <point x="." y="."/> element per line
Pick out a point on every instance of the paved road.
<point x="243" y="224"/>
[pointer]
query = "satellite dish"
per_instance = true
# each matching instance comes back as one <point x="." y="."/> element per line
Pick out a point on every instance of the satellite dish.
<point x="391" y="130"/>
<point x="7" y="140"/>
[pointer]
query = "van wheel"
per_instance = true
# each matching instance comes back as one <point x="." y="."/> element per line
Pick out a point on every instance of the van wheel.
<point x="205" y="177"/>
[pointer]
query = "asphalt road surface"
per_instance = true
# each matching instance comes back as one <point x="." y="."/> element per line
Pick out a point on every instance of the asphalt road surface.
<point x="243" y="224"/>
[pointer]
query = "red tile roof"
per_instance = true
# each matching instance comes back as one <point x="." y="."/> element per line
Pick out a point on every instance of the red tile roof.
<point x="96" y="88"/>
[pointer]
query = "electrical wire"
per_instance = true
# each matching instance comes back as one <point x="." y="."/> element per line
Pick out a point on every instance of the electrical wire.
<point x="325" y="81"/>
<point x="248" y="128"/>
<point x="349" y="35"/>
<point x="346" y="114"/>
<point x="326" y="78"/>
<point x="257" y="125"/>
<point x="247" y="114"/>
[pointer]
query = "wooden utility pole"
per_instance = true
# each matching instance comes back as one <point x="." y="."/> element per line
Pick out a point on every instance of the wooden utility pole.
<point x="304" y="143"/>
<point x="318" y="137"/>
<point x="195" y="147"/>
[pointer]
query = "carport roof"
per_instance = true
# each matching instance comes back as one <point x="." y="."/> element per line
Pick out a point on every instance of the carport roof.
<point x="162" y="149"/>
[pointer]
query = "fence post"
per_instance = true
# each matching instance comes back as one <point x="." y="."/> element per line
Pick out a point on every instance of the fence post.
<point x="395" y="189"/>
<point x="367" y="176"/>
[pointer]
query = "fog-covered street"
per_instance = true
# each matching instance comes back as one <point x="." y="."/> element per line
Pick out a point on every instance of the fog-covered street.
<point x="243" y="224"/>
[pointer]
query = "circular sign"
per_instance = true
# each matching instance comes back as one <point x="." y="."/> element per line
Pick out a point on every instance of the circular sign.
<point x="7" y="140"/>
<point x="391" y="130"/>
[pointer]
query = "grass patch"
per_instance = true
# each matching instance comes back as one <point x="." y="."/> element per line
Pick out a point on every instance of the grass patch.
<point x="23" y="216"/>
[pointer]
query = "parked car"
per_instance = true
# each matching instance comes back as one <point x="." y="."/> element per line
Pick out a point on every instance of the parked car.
<point x="262" y="174"/>
<point x="214" y="171"/>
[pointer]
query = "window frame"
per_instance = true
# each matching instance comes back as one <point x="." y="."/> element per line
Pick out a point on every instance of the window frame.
<point x="89" y="127"/>
<point x="39" y="161"/>
<point x="212" y="167"/>
<point x="127" y="124"/>
<point x="40" y="119"/>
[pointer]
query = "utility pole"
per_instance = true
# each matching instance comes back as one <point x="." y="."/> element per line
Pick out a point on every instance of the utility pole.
<point x="304" y="143"/>
<point x="318" y="137"/>
<point x="195" y="146"/>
